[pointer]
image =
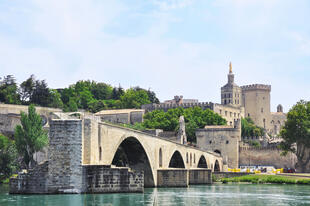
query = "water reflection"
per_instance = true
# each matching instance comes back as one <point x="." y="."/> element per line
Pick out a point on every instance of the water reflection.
<point x="196" y="195"/>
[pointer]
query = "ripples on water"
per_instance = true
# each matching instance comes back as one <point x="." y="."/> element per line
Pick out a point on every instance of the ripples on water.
<point x="231" y="194"/>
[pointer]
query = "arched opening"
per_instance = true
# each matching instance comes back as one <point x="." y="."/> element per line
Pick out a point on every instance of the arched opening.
<point x="186" y="158"/>
<point x="176" y="160"/>
<point x="190" y="159"/>
<point x="218" y="152"/>
<point x="160" y="158"/>
<point x="100" y="153"/>
<point x="131" y="153"/>
<point x="202" y="162"/>
<point x="217" y="166"/>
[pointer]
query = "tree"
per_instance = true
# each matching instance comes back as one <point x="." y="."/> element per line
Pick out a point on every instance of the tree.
<point x="55" y="99"/>
<point x="41" y="94"/>
<point x="134" y="98"/>
<point x="26" y="89"/>
<point x="194" y="118"/>
<point x="8" y="157"/>
<point x="296" y="134"/>
<point x="8" y="90"/>
<point x="249" y="129"/>
<point x="30" y="137"/>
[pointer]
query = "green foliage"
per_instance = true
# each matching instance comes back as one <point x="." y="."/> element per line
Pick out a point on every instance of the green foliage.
<point x="249" y="129"/>
<point x="87" y="95"/>
<point x="303" y="181"/>
<point x="55" y="99"/>
<point x="9" y="90"/>
<point x="296" y="132"/>
<point x="254" y="143"/>
<point x="96" y="106"/>
<point x="133" y="98"/>
<point x="262" y="179"/>
<point x="194" y="118"/>
<point x="30" y="137"/>
<point x="8" y="157"/>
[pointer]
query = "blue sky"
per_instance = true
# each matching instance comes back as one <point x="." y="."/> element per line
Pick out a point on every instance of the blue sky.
<point x="173" y="47"/>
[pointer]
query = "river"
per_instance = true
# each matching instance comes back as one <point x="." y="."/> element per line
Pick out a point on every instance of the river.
<point x="217" y="194"/>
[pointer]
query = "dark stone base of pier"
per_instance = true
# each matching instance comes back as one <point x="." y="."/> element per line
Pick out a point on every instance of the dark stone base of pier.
<point x="95" y="179"/>
<point x="183" y="177"/>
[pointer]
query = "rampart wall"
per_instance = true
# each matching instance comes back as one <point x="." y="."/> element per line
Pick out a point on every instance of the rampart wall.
<point x="166" y="107"/>
<point x="266" y="156"/>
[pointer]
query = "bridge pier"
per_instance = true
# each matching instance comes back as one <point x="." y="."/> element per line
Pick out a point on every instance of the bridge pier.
<point x="183" y="177"/>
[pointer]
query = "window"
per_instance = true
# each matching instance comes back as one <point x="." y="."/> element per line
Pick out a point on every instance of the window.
<point x="264" y="121"/>
<point x="210" y="142"/>
<point x="230" y="114"/>
<point x="225" y="101"/>
<point x="194" y="158"/>
<point x="248" y="114"/>
<point x="227" y="142"/>
<point x="235" y="114"/>
<point x="230" y="123"/>
<point x="190" y="159"/>
<point x="225" y="113"/>
<point x="220" y="111"/>
<point x="262" y="110"/>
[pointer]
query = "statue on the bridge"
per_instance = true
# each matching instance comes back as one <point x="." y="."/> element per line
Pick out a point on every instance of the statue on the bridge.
<point x="182" y="133"/>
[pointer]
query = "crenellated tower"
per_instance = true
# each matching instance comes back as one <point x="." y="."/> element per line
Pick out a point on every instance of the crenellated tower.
<point x="231" y="93"/>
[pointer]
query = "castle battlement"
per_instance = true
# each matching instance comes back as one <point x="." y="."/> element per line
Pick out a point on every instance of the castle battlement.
<point x="256" y="87"/>
<point x="165" y="106"/>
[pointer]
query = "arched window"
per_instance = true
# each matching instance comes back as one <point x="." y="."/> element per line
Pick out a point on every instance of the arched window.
<point x="100" y="153"/>
<point x="190" y="161"/>
<point x="160" y="158"/>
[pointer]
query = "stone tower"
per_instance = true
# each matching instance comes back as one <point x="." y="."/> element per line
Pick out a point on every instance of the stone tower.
<point x="231" y="93"/>
<point x="256" y="102"/>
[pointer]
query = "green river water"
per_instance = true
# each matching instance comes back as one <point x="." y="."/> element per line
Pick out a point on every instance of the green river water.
<point x="218" y="194"/>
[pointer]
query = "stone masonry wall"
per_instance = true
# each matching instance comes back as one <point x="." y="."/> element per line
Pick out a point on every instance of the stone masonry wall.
<point x="33" y="182"/>
<point x="269" y="156"/>
<point x="172" y="178"/>
<point x="65" y="156"/>
<point x="200" y="176"/>
<point x="103" y="179"/>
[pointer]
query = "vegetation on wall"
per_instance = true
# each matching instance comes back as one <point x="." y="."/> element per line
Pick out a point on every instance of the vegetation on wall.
<point x="249" y="129"/>
<point x="88" y="95"/>
<point x="8" y="157"/>
<point x="296" y="134"/>
<point x="194" y="118"/>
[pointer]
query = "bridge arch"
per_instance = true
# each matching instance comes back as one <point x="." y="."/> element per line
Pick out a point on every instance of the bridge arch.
<point x="176" y="160"/>
<point x="217" y="166"/>
<point x="132" y="153"/>
<point x="202" y="163"/>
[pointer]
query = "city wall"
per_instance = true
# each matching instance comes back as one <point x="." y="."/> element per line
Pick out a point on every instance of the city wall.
<point x="266" y="156"/>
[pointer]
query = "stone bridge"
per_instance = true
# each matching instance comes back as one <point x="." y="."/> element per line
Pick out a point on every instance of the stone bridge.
<point x="108" y="144"/>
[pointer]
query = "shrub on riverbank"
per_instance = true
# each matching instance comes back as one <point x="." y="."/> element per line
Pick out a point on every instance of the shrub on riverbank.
<point x="262" y="179"/>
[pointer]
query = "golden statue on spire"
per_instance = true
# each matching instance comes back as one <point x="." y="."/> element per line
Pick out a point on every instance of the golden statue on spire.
<point x="230" y="68"/>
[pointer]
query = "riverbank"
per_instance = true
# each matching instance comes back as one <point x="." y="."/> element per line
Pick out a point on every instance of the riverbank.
<point x="265" y="179"/>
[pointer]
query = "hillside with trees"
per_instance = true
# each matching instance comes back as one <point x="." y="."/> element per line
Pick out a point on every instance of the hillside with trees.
<point x="195" y="118"/>
<point x="88" y="95"/>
